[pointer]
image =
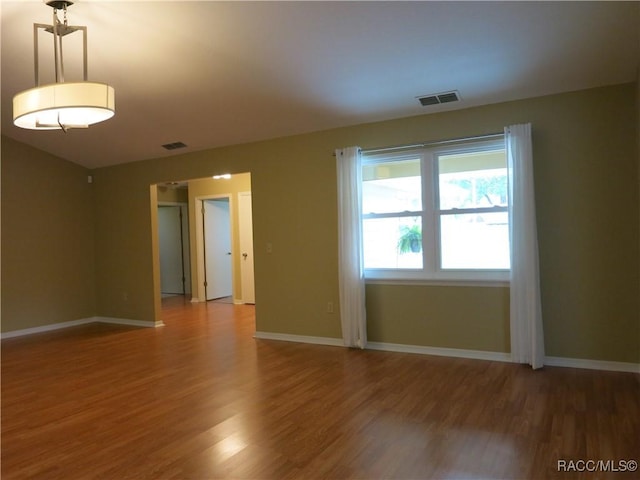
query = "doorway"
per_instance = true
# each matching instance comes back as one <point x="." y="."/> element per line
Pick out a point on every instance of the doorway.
<point x="217" y="252"/>
<point x="173" y="240"/>
<point x="233" y="191"/>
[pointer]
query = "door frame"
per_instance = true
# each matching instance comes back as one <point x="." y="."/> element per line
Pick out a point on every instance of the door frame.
<point x="243" y="235"/>
<point x="198" y="291"/>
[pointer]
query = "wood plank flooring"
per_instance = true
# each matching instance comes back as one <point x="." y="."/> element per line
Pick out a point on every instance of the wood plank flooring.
<point x="201" y="399"/>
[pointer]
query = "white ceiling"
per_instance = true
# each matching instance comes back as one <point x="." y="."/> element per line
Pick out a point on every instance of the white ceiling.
<point x="220" y="73"/>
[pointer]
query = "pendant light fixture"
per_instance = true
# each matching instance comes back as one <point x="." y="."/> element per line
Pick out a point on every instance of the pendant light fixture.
<point x="60" y="105"/>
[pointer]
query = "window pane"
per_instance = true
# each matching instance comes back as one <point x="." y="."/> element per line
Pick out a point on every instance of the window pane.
<point x="392" y="187"/>
<point x="392" y="242"/>
<point x="473" y="180"/>
<point x="475" y="241"/>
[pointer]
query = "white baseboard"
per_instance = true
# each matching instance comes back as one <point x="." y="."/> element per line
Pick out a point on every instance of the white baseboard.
<point x="456" y="352"/>
<point x="81" y="321"/>
<point x="235" y="301"/>
<point x="337" y="342"/>
<point x="126" y="321"/>
<point x="389" y="347"/>
<point x="46" y="328"/>
<point x="441" y="352"/>
<point x="285" y="337"/>
<point x="592" y="364"/>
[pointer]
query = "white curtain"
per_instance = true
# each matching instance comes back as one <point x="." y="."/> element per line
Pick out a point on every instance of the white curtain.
<point x="351" y="269"/>
<point x="527" y="339"/>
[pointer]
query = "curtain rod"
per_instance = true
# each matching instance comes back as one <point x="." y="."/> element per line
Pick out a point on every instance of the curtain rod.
<point x="427" y="144"/>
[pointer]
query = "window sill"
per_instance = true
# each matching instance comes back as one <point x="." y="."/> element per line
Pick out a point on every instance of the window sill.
<point x="455" y="279"/>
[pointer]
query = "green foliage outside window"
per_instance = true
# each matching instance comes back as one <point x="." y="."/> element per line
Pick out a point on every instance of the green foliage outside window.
<point x="410" y="239"/>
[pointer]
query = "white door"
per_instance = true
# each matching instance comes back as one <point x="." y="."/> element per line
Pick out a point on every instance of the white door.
<point x="217" y="248"/>
<point x="171" y="255"/>
<point x="246" y="247"/>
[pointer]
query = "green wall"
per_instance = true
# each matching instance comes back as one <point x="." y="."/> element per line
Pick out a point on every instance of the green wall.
<point x="48" y="265"/>
<point x="170" y="194"/>
<point x="586" y="164"/>
<point x="439" y="316"/>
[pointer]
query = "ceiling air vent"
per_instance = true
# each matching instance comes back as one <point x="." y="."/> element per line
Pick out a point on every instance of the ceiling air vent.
<point x="438" y="98"/>
<point x="174" y="145"/>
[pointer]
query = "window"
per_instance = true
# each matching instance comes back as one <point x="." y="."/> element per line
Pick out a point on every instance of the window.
<point x="437" y="213"/>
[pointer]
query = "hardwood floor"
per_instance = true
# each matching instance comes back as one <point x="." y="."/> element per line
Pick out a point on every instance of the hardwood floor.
<point x="201" y="398"/>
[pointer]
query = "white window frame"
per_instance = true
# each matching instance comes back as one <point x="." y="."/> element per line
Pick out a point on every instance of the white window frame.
<point x="431" y="272"/>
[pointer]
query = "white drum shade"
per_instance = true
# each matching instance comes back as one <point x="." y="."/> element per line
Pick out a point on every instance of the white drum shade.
<point x="63" y="105"/>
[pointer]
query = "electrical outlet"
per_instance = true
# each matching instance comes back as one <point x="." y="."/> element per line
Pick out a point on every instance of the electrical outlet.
<point x="329" y="307"/>
<point x="269" y="247"/>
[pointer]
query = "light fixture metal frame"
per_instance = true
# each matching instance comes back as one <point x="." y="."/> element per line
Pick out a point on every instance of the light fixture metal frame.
<point x="57" y="47"/>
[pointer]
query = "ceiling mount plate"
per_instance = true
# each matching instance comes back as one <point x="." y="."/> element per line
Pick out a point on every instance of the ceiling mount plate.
<point x="59" y="4"/>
